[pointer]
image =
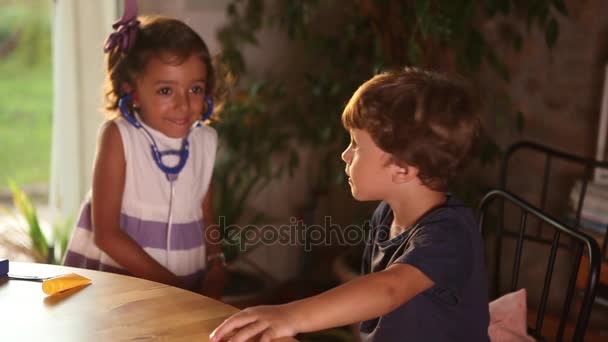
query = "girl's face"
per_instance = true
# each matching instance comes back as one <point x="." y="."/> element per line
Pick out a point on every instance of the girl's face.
<point x="366" y="167"/>
<point x="171" y="97"/>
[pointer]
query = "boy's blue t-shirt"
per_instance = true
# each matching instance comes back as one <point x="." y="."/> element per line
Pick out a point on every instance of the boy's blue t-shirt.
<point x="445" y="244"/>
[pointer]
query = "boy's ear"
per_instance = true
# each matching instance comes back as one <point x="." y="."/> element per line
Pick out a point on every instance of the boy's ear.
<point x="404" y="173"/>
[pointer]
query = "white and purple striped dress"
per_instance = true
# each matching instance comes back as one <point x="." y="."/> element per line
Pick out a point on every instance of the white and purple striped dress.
<point x="145" y="206"/>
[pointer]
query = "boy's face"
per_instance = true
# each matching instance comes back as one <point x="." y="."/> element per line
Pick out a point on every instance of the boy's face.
<point x="171" y="97"/>
<point x="369" y="174"/>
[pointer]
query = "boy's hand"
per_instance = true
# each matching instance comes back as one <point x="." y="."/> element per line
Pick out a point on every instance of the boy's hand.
<point x="267" y="322"/>
<point x="213" y="283"/>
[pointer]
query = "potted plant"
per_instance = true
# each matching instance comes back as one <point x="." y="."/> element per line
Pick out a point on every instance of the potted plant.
<point x="340" y="44"/>
<point x="253" y="150"/>
<point x="24" y="234"/>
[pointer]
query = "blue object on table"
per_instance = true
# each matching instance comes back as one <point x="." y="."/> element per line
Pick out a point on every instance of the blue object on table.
<point x="3" y="267"/>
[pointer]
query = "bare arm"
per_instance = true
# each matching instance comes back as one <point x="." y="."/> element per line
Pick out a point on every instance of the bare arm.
<point x="213" y="284"/>
<point x="364" y="298"/>
<point x="108" y="187"/>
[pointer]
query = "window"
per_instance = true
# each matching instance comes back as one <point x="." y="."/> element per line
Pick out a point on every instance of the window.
<point x="26" y="94"/>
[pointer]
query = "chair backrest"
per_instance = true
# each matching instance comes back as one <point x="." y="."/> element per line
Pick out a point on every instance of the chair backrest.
<point x="552" y="159"/>
<point x="564" y="239"/>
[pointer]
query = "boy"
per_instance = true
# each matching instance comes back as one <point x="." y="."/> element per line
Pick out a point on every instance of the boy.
<point x="411" y="132"/>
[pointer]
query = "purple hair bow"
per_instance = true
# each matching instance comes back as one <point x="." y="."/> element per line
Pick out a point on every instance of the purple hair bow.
<point x="125" y="29"/>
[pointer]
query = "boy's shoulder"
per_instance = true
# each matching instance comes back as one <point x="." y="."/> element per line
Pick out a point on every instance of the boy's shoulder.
<point x="453" y="212"/>
<point x="452" y="204"/>
<point x="454" y="209"/>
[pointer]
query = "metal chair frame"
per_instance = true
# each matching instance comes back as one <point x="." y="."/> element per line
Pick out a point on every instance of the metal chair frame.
<point x="580" y="242"/>
<point x="551" y="154"/>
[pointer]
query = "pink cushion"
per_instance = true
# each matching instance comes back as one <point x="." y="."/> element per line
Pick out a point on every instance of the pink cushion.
<point x="508" y="318"/>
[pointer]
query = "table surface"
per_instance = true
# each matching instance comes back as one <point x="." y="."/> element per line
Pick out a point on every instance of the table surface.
<point x="113" y="308"/>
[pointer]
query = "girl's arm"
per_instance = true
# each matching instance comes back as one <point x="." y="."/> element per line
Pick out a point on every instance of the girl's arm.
<point x="361" y="299"/>
<point x="108" y="187"/>
<point x="213" y="283"/>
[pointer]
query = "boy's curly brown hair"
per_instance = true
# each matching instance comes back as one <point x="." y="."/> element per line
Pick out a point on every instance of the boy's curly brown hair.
<point x="422" y="118"/>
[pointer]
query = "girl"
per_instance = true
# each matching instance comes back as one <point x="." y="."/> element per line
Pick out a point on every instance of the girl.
<point x="149" y="214"/>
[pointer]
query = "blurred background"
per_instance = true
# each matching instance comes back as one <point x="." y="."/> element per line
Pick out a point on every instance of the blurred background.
<point x="539" y="65"/>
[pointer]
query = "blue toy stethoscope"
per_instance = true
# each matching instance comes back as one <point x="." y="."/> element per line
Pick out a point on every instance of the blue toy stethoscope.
<point x="170" y="171"/>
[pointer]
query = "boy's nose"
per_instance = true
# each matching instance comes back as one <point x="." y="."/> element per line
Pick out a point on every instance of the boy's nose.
<point x="346" y="155"/>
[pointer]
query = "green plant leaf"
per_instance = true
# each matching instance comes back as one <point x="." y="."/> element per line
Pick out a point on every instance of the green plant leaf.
<point x="543" y="12"/>
<point x="518" y="41"/>
<point x="294" y="161"/>
<point x="474" y="50"/>
<point x="504" y="6"/>
<point x="62" y="230"/>
<point x="497" y="64"/>
<point x="413" y="52"/>
<point x="551" y="32"/>
<point x="24" y="205"/>
<point x="491" y="7"/>
<point x="520" y="121"/>
<point x="489" y="152"/>
<point x="560" y="6"/>
<point x="423" y="16"/>
<point x="231" y="9"/>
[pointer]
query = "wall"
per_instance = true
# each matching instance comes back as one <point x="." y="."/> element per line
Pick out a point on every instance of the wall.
<point x="558" y="90"/>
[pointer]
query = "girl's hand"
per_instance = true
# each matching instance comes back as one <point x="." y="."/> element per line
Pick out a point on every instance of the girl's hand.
<point x="267" y="322"/>
<point x="213" y="283"/>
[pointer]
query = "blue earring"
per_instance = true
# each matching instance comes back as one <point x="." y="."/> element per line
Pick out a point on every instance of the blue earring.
<point x="122" y="105"/>
<point x="209" y="102"/>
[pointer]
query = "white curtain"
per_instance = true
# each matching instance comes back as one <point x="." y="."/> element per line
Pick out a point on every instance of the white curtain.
<point x="79" y="31"/>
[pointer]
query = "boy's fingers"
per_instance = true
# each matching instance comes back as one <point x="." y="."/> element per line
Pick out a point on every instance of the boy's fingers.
<point x="232" y="323"/>
<point x="249" y="331"/>
<point x="268" y="335"/>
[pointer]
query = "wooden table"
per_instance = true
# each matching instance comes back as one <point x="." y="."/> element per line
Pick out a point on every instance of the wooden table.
<point x="112" y="308"/>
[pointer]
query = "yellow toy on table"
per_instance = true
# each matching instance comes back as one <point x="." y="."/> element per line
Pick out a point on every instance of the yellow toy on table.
<point x="50" y="285"/>
<point x="63" y="282"/>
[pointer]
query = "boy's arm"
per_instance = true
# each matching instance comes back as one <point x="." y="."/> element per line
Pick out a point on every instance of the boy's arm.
<point x="213" y="283"/>
<point x="108" y="187"/>
<point x="364" y="298"/>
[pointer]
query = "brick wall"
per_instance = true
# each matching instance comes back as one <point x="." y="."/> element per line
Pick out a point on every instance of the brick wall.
<point x="558" y="90"/>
